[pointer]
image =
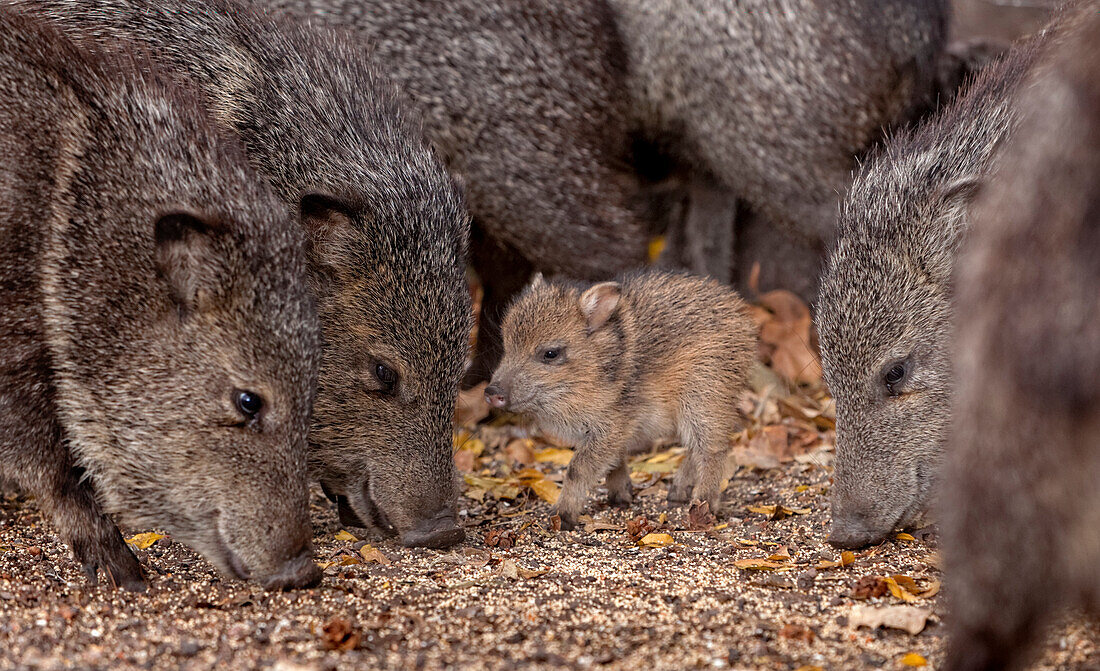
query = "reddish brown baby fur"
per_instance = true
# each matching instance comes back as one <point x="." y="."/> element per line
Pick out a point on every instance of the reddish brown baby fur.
<point x="616" y="365"/>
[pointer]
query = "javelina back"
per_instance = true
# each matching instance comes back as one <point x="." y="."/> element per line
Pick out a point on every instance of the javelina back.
<point x="885" y="314"/>
<point x="158" y="334"/>
<point x="617" y="365"/>
<point x="770" y="107"/>
<point x="526" y="102"/>
<point x="1021" y="508"/>
<point x="388" y="236"/>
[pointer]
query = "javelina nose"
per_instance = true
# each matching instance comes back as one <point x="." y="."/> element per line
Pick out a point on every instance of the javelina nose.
<point x="495" y="396"/>
<point x="298" y="572"/>
<point x="438" y="531"/>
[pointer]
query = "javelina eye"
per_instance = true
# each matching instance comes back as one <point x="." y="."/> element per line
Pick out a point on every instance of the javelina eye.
<point x="551" y="354"/>
<point x="248" y="403"/>
<point x="894" y="376"/>
<point x="386" y="375"/>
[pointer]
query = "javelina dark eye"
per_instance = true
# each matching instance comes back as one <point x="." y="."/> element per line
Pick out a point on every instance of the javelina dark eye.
<point x="248" y="403"/>
<point x="551" y="355"/>
<point x="894" y="376"/>
<point x="386" y="375"/>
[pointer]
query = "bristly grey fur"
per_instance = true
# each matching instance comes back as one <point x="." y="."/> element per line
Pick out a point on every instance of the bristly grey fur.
<point x="387" y="224"/>
<point x="886" y="301"/>
<point x="146" y="275"/>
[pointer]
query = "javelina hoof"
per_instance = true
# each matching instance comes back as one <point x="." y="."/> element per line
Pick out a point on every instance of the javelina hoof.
<point x="116" y="560"/>
<point x="296" y="573"/>
<point x="620" y="499"/>
<point x="437" y="532"/>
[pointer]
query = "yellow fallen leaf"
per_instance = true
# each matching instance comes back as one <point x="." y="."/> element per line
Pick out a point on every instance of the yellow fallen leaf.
<point x="802" y="488"/>
<point x="662" y="518"/>
<point x="913" y="659"/>
<point x="554" y="455"/>
<point x="905" y="537"/>
<point x="809" y="668"/>
<point x="373" y="555"/>
<point x="143" y="541"/>
<point x="498" y="488"/>
<point x="778" y="511"/>
<point x="746" y="542"/>
<point x="898" y="591"/>
<point x="343" y="535"/>
<point x="536" y="481"/>
<point x="760" y="564"/>
<point x="349" y="560"/>
<point x="656" y="540"/>
<point x="846" y="558"/>
<point x="656" y="246"/>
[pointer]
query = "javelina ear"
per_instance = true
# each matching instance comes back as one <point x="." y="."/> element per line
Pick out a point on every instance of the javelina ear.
<point x="186" y="258"/>
<point x="538" y="281"/>
<point x="323" y="217"/>
<point x="598" y="303"/>
<point x="954" y="199"/>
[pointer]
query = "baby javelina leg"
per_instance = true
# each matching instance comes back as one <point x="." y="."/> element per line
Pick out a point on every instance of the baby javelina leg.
<point x="614" y="366"/>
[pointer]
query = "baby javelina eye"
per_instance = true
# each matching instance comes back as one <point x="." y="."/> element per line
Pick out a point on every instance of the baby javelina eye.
<point x="894" y="376"/>
<point x="551" y="354"/>
<point x="386" y="375"/>
<point x="248" y="403"/>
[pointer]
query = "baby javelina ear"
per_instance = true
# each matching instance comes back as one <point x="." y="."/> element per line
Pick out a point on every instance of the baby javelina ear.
<point x="598" y="303"/>
<point x="615" y="366"/>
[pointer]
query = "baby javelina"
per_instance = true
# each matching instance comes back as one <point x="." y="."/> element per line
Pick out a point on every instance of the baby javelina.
<point x="615" y="366"/>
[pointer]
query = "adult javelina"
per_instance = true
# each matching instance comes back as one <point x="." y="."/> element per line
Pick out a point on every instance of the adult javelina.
<point x="1021" y="507"/>
<point x="526" y="102"/>
<point x="884" y="315"/>
<point x="388" y="233"/>
<point x="158" y="334"/>
<point x="769" y="106"/>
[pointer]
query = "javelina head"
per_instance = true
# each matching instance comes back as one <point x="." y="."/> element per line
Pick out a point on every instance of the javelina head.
<point x="884" y="321"/>
<point x="560" y="341"/>
<point x="189" y="358"/>
<point x="396" y="316"/>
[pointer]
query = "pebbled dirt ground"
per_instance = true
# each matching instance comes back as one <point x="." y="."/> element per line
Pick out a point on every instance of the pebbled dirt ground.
<point x="755" y="589"/>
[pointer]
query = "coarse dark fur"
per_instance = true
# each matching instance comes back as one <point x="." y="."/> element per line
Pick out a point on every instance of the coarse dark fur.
<point x="886" y="303"/>
<point x="147" y="276"/>
<point x="654" y="355"/>
<point x="526" y="101"/>
<point x="388" y="231"/>
<point x="764" y="108"/>
<point x="1021" y="508"/>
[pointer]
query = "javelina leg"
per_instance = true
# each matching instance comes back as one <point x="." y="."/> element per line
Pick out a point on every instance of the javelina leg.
<point x="702" y="240"/>
<point x="503" y="273"/>
<point x="620" y="491"/>
<point x="679" y="493"/>
<point x="703" y="466"/>
<point x="40" y="464"/>
<point x="591" y="461"/>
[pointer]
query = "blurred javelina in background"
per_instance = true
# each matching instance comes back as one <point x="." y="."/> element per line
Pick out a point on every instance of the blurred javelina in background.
<point x="1021" y="509"/>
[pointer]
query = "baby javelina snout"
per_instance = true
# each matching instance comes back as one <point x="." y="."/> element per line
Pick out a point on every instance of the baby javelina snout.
<point x="614" y="366"/>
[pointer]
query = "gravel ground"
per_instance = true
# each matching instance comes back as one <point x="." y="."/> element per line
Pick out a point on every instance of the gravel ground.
<point x="518" y="594"/>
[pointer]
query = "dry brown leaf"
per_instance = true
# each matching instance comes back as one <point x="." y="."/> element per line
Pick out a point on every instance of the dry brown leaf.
<point x="500" y="538"/>
<point x="638" y="527"/>
<point x="797" y="632"/>
<point x="786" y="336"/>
<point x="471" y="408"/>
<point x="339" y="634"/>
<point x="909" y="619"/>
<point x="373" y="555"/>
<point x="782" y="553"/>
<point x="345" y="536"/>
<point x="521" y="450"/>
<point x="846" y="558"/>
<point x="699" y="516"/>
